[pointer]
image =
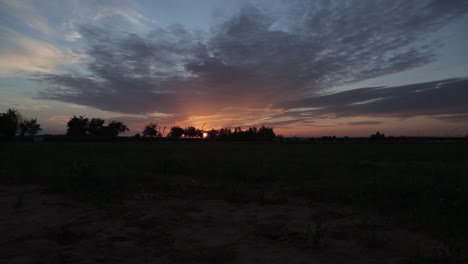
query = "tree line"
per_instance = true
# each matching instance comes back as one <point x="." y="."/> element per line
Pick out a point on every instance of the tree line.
<point x="79" y="126"/>
<point x="176" y="132"/>
<point x="12" y="123"/>
<point x="252" y="133"/>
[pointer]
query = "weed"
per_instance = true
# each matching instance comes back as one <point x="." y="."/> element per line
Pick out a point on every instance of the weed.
<point x="315" y="229"/>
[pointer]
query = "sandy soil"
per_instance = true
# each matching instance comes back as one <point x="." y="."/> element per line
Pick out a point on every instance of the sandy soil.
<point x="40" y="227"/>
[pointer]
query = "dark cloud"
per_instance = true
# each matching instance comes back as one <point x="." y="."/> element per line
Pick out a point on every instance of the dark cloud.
<point x="422" y="99"/>
<point x="259" y="59"/>
<point x="365" y="123"/>
<point x="127" y="73"/>
<point x="462" y="118"/>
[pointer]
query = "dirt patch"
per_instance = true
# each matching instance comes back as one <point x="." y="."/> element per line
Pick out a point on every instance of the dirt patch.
<point x="40" y="227"/>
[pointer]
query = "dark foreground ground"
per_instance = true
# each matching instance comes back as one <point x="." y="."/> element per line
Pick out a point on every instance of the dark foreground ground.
<point x="214" y="202"/>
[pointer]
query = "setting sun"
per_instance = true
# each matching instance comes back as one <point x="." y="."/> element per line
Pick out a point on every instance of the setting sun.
<point x="205" y="135"/>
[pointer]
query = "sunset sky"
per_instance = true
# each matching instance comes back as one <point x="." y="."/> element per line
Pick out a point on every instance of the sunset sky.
<point x="305" y="68"/>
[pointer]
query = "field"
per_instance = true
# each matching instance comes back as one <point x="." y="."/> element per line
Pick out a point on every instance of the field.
<point x="228" y="202"/>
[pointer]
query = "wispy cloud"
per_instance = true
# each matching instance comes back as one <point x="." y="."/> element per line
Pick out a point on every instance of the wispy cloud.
<point x="20" y="53"/>
<point x="458" y="118"/>
<point x="422" y="99"/>
<point x="365" y="123"/>
<point x="26" y="13"/>
<point x="23" y="104"/>
<point x="133" y="17"/>
<point x="72" y="36"/>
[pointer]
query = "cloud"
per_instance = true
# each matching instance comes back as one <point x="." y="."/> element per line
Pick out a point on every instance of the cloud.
<point x="365" y="123"/>
<point x="26" y="13"/>
<point x="422" y="99"/>
<point x="23" y="104"/>
<point x="129" y="73"/>
<point x="114" y="14"/>
<point x="59" y="119"/>
<point x="458" y="118"/>
<point x="256" y="59"/>
<point x="72" y="36"/>
<point x="21" y="53"/>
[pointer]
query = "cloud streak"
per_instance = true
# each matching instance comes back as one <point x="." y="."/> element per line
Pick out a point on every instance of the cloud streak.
<point x="432" y="98"/>
<point x="26" y="14"/>
<point x="21" y="53"/>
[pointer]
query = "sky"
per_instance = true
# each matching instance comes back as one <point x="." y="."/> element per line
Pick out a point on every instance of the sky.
<point x="303" y="67"/>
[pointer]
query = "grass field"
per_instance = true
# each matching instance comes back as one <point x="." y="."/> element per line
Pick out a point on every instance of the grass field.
<point x="390" y="203"/>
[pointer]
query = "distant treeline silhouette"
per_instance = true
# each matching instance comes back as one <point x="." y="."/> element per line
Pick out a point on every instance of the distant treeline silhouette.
<point x="177" y="132"/>
<point x="82" y="126"/>
<point x="252" y="133"/>
<point x="12" y="123"/>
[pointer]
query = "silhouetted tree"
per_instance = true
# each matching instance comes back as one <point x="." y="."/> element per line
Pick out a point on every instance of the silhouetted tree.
<point x="9" y="122"/>
<point x="328" y="138"/>
<point x="252" y="131"/>
<point x="176" y="132"/>
<point x="377" y="136"/>
<point x="114" y="129"/>
<point x="198" y="133"/>
<point x="190" y="131"/>
<point x="151" y="130"/>
<point x="225" y="132"/>
<point x="96" y="127"/>
<point x="266" y="133"/>
<point x="29" y="127"/>
<point x="77" y="126"/>
<point x="213" y="133"/>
